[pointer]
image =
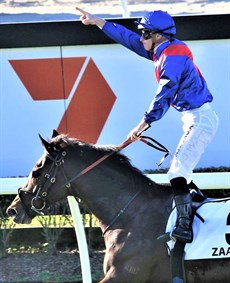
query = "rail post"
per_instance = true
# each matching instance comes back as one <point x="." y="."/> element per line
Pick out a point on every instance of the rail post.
<point x="81" y="239"/>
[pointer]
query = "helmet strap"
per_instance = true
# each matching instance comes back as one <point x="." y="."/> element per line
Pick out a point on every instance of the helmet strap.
<point x="153" y="46"/>
<point x="154" y="43"/>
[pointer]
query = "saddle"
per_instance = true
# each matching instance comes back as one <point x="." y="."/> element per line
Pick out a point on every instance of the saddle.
<point x="211" y="227"/>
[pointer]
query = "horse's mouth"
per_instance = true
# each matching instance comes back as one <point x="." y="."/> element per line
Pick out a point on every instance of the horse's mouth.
<point x="19" y="218"/>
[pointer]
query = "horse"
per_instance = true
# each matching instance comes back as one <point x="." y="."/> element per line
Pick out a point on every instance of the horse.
<point x="131" y="209"/>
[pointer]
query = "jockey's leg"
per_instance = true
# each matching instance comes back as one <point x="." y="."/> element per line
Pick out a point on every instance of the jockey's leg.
<point x="199" y="126"/>
<point x="183" y="229"/>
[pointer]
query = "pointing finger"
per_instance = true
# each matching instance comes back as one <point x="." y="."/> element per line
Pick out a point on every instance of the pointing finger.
<point x="81" y="11"/>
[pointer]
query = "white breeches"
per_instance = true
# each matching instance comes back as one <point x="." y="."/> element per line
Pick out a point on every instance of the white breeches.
<point x="199" y="126"/>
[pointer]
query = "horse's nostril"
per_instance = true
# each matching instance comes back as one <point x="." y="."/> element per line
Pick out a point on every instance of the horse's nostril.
<point x="11" y="212"/>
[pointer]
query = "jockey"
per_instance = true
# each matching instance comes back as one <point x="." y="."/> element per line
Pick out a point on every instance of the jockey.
<point x="181" y="86"/>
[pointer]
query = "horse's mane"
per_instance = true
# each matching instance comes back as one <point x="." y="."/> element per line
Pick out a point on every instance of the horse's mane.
<point x="121" y="161"/>
<point x="64" y="141"/>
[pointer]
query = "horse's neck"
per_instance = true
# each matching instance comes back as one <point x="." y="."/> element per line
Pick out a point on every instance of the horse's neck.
<point x="108" y="188"/>
<point x="104" y="201"/>
<point x="113" y="200"/>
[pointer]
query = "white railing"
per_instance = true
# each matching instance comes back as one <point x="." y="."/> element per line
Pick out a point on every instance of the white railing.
<point x="81" y="240"/>
<point x="204" y="181"/>
<point x="219" y="180"/>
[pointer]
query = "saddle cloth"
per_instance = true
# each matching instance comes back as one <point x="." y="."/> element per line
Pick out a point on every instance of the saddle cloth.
<point x="211" y="239"/>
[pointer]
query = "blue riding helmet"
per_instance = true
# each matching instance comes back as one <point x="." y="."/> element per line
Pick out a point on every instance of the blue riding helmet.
<point x="158" y="22"/>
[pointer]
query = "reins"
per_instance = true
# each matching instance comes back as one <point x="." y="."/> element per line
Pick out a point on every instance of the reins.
<point x="120" y="212"/>
<point x="124" y="144"/>
<point x="100" y="160"/>
<point x="158" y="146"/>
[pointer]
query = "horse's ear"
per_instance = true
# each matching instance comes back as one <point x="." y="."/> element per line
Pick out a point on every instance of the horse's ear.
<point x="55" y="134"/>
<point x="49" y="147"/>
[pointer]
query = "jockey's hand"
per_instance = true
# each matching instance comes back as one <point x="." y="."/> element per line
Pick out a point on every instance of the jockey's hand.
<point x="89" y="19"/>
<point x="138" y="130"/>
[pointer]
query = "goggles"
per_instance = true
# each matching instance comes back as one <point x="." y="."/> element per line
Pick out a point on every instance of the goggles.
<point x="146" y="33"/>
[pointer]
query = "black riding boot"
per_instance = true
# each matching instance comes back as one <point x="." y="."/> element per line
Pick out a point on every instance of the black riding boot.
<point x="183" y="230"/>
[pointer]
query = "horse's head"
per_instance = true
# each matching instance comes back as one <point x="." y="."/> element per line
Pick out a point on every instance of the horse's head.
<point x="41" y="188"/>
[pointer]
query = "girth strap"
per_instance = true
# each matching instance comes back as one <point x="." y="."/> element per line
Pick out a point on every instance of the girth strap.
<point x="177" y="263"/>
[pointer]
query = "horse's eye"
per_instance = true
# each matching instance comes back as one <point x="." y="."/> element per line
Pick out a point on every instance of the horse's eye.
<point x="36" y="173"/>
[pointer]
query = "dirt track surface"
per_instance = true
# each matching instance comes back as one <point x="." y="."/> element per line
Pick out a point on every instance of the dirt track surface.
<point x="43" y="267"/>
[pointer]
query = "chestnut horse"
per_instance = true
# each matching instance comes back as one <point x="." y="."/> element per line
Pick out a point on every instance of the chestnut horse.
<point x="131" y="209"/>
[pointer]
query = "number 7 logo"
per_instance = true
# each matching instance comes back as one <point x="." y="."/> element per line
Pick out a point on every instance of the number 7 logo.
<point x="78" y="81"/>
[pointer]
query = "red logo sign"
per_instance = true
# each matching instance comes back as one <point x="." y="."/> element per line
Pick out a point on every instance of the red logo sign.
<point x="77" y="80"/>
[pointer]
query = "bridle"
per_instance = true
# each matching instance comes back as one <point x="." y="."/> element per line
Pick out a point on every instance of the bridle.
<point x="49" y="179"/>
<point x="58" y="161"/>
